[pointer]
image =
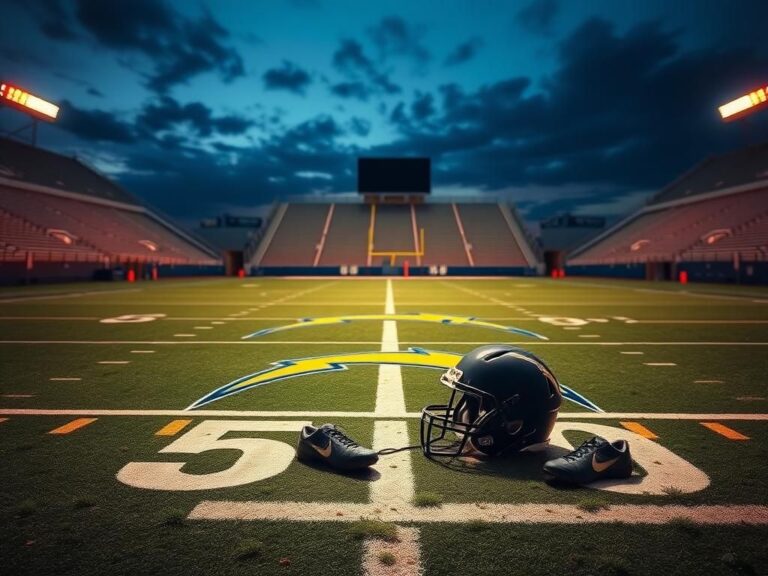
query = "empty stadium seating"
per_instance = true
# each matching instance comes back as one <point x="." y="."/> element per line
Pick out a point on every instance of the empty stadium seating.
<point x="443" y="244"/>
<point x="490" y="236"/>
<point x="56" y="208"/>
<point x="347" y="239"/>
<point x="19" y="237"/>
<point x="684" y="229"/>
<point x="297" y="236"/>
<point x="120" y="234"/>
<point x="396" y="230"/>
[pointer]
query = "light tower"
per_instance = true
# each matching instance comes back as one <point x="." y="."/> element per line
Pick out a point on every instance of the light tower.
<point x="33" y="106"/>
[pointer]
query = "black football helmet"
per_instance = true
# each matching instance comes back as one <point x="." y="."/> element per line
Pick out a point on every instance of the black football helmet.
<point x="503" y="399"/>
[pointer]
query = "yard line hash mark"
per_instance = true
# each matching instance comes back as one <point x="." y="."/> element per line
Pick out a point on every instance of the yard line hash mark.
<point x="67" y="379"/>
<point x="70" y="427"/>
<point x="173" y="428"/>
<point x="114" y="361"/>
<point x="638" y="428"/>
<point x="725" y="431"/>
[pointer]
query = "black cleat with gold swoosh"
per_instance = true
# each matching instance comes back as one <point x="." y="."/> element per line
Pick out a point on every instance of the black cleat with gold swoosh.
<point x="596" y="459"/>
<point x="330" y="445"/>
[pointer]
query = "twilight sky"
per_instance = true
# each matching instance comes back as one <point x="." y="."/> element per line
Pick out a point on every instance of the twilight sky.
<point x="205" y="107"/>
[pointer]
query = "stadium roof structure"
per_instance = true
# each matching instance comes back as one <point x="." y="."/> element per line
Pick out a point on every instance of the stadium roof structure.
<point x="23" y="163"/>
<point x="721" y="172"/>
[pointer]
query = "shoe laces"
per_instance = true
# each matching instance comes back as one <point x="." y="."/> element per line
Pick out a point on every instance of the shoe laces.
<point x="341" y="437"/>
<point x="585" y="448"/>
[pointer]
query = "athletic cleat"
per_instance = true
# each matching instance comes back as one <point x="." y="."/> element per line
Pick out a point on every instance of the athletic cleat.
<point x="330" y="445"/>
<point x="596" y="459"/>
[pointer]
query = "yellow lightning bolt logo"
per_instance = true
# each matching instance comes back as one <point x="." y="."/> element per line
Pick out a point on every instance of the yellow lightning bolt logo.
<point x="416" y="317"/>
<point x="285" y="369"/>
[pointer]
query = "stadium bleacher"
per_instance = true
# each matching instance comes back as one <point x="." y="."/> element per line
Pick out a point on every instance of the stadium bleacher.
<point x="716" y="212"/>
<point x="333" y="235"/>
<point x="55" y="208"/>
<point x="443" y="243"/>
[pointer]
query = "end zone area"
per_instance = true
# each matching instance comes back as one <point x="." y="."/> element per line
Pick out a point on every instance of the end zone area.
<point x="106" y="470"/>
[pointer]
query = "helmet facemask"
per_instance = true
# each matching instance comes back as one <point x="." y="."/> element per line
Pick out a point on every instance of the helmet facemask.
<point x="463" y="426"/>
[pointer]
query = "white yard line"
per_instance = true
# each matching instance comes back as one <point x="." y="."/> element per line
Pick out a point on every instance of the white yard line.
<point x="488" y="512"/>
<point x="342" y="414"/>
<point x="394" y="488"/>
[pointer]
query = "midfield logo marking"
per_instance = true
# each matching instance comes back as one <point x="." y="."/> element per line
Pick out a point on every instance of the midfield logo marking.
<point x="416" y="357"/>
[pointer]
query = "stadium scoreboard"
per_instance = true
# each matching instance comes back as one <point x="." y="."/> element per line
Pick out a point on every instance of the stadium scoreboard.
<point x="744" y="104"/>
<point x="394" y="176"/>
<point x="26" y="102"/>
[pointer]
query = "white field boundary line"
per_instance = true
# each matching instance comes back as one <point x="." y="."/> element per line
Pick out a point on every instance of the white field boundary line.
<point x="489" y="512"/>
<point x="419" y="343"/>
<point x="68" y="295"/>
<point x="293" y="319"/>
<point x="738" y="416"/>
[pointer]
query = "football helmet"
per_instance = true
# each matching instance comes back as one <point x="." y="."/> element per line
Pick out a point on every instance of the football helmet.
<point x="503" y="399"/>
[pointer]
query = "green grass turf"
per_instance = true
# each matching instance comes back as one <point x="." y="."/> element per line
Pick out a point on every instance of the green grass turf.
<point x="63" y="511"/>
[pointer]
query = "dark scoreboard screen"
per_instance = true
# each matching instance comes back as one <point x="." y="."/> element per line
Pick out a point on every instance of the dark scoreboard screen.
<point x="394" y="175"/>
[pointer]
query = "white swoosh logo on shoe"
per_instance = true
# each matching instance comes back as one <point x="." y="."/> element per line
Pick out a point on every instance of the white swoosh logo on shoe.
<point x="324" y="452"/>
<point x="602" y="466"/>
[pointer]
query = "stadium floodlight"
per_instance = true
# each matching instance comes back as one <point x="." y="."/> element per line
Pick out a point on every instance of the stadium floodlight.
<point x="744" y="104"/>
<point x="21" y="99"/>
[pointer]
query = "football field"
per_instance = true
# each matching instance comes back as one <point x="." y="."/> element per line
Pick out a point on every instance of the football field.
<point x="150" y="428"/>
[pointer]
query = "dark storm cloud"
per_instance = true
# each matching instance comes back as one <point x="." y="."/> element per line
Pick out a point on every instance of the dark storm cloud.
<point x="179" y="47"/>
<point x="259" y="174"/>
<point x="639" y="129"/>
<point x="423" y="106"/>
<point x="168" y="114"/>
<point x="464" y="52"/>
<point x="538" y="16"/>
<point x="356" y="90"/>
<point x="351" y="61"/>
<point x="55" y="20"/>
<point x="94" y="125"/>
<point x="393" y="36"/>
<point x="359" y="126"/>
<point x="287" y="77"/>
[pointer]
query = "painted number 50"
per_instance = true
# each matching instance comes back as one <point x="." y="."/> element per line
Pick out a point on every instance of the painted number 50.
<point x="260" y="458"/>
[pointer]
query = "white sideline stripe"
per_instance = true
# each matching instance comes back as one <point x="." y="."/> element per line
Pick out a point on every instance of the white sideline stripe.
<point x="64" y="379"/>
<point x="114" y="361"/>
<point x="339" y="414"/>
<point x="420" y="343"/>
<point x="659" y="363"/>
<point x="461" y="513"/>
<point x="405" y="549"/>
